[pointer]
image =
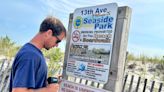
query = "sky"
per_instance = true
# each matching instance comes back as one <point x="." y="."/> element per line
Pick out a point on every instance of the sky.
<point x="20" y="20"/>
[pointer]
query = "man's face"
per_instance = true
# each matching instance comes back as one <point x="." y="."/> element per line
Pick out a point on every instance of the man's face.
<point x="53" y="41"/>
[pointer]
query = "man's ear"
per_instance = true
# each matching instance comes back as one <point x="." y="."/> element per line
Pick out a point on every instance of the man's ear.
<point x="49" y="32"/>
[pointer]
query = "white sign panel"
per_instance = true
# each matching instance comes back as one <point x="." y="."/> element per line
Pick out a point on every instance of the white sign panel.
<point x="91" y="42"/>
<point x="67" y="86"/>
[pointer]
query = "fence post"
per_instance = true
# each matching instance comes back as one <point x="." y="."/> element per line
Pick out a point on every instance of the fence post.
<point x="3" y="61"/>
<point x="131" y="83"/>
<point x="152" y="86"/>
<point x="160" y="87"/>
<point x="138" y="84"/>
<point x="145" y="82"/>
<point x="8" y="81"/>
<point x="124" y="83"/>
<point x="65" y="76"/>
<point x="4" y="77"/>
<point x="116" y="71"/>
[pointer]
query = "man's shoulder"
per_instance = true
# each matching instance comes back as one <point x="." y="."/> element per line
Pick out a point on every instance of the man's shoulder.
<point x="30" y="50"/>
<point x="28" y="54"/>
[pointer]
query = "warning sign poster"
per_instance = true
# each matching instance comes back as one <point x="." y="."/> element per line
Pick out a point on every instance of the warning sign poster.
<point x="91" y="42"/>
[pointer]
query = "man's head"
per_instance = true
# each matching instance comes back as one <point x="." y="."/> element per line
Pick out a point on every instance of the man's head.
<point x="54" y="32"/>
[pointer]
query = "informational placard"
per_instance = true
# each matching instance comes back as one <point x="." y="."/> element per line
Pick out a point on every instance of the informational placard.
<point x="67" y="86"/>
<point x="91" y="42"/>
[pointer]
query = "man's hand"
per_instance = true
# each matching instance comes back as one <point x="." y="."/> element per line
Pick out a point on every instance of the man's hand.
<point x="54" y="87"/>
<point x="59" y="78"/>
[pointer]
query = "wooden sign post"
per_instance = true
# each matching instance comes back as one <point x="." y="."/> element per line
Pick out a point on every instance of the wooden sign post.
<point x="96" y="49"/>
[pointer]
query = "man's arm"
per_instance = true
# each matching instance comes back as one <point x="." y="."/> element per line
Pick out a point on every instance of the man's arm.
<point x="49" y="88"/>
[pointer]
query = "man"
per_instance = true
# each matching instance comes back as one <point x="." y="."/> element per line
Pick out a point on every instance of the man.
<point x="29" y="69"/>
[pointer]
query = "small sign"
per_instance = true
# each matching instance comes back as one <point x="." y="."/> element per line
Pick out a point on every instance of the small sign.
<point x="67" y="86"/>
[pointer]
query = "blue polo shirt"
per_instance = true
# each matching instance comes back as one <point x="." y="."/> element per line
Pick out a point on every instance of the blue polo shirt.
<point x="29" y="69"/>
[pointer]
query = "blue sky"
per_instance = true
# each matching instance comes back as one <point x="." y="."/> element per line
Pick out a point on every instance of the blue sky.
<point x="20" y="20"/>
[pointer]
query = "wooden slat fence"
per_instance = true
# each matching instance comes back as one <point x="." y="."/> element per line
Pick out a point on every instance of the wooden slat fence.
<point x="4" y="75"/>
<point x="137" y="84"/>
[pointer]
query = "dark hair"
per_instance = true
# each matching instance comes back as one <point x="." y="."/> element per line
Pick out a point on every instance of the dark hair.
<point x="54" y="24"/>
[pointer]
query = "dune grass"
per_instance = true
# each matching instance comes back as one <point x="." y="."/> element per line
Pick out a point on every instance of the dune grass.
<point x="145" y="58"/>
